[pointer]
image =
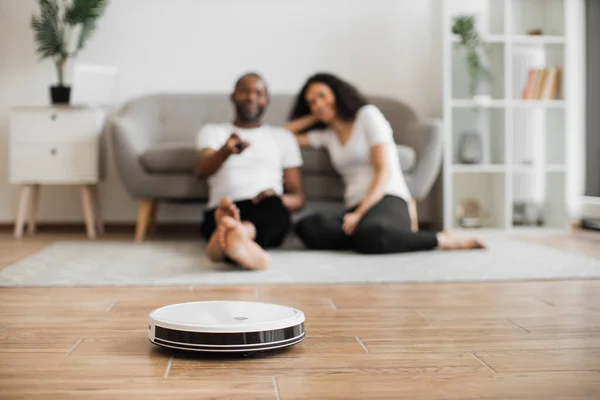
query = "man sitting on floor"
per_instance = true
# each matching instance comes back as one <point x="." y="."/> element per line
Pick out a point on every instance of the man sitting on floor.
<point x="254" y="180"/>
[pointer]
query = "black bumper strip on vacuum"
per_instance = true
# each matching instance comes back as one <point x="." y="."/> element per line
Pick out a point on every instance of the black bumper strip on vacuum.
<point x="228" y="339"/>
<point x="198" y="347"/>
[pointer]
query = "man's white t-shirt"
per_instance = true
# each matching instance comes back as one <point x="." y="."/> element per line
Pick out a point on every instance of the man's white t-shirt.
<point x="353" y="159"/>
<point x="258" y="168"/>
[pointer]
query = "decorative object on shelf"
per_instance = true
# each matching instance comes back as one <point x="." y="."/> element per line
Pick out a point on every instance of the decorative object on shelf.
<point x="527" y="214"/>
<point x="542" y="84"/>
<point x="535" y="32"/>
<point x="482" y="100"/>
<point x="62" y="29"/>
<point x="470" y="148"/>
<point x="464" y="27"/>
<point x="470" y="213"/>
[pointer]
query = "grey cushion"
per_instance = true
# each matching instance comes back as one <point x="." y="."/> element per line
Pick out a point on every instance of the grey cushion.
<point x="169" y="159"/>
<point x="176" y="158"/>
<point x="317" y="161"/>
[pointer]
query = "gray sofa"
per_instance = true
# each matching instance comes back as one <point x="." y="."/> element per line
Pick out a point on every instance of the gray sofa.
<point x="153" y="140"/>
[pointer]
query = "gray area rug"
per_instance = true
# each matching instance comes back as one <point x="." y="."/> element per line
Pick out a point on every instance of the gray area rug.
<point x="184" y="263"/>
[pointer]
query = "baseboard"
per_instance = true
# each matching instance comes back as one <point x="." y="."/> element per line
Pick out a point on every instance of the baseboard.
<point x="129" y="227"/>
<point x="111" y="227"/>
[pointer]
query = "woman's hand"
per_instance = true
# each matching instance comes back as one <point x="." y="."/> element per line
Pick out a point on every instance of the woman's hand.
<point x="351" y="221"/>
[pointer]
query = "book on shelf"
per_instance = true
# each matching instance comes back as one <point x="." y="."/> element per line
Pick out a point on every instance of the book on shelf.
<point x="542" y="84"/>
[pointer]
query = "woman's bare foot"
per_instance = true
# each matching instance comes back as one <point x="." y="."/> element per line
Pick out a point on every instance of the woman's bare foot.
<point x="238" y="245"/>
<point x="447" y="242"/>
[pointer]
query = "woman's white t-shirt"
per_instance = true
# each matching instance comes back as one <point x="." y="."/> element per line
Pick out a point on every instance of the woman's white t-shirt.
<point x="352" y="160"/>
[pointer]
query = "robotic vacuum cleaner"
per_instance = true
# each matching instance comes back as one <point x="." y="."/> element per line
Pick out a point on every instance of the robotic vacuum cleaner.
<point x="226" y="326"/>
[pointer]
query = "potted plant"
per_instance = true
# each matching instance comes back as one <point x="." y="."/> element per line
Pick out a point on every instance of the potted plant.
<point x="62" y="29"/>
<point x="465" y="27"/>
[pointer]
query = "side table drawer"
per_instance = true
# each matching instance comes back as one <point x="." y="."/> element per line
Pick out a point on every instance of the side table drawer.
<point x="54" y="162"/>
<point x="51" y="125"/>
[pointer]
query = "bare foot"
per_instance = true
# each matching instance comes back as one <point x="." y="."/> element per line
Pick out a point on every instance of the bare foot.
<point x="446" y="242"/>
<point x="226" y="208"/>
<point x="238" y="245"/>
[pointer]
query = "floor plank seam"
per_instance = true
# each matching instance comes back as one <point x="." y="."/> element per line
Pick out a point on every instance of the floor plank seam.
<point x="332" y="304"/>
<point x="169" y="367"/>
<point x="74" y="347"/>
<point x="362" y="345"/>
<point x="3" y="328"/>
<point x="518" y="326"/>
<point x="482" y="362"/>
<point x="546" y="302"/>
<point x="276" y="387"/>
<point x="422" y="316"/>
<point x="111" y="306"/>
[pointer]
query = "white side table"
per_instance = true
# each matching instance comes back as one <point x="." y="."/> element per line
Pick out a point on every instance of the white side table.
<point x="55" y="146"/>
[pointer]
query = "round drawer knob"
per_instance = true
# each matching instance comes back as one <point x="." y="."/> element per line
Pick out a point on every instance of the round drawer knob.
<point x="53" y="117"/>
<point x="53" y="152"/>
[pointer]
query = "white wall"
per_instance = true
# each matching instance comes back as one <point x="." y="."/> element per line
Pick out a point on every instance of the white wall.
<point x="388" y="47"/>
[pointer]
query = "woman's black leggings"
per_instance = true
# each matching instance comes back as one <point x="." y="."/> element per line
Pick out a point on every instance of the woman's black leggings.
<point x="385" y="228"/>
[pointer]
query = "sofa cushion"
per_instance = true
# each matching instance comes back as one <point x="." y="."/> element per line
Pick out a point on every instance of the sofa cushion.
<point x="169" y="159"/>
<point x="317" y="161"/>
<point x="177" y="158"/>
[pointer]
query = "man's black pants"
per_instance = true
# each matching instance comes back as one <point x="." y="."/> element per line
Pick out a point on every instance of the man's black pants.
<point x="271" y="218"/>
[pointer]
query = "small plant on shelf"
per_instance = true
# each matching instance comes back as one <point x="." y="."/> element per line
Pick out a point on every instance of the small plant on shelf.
<point x="465" y="27"/>
<point x="62" y="29"/>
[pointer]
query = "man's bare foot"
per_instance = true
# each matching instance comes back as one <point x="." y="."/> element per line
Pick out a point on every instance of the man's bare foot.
<point x="447" y="242"/>
<point x="226" y="208"/>
<point x="238" y="245"/>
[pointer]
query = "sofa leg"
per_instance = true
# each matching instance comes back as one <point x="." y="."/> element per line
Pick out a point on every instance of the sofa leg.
<point x="144" y="219"/>
<point x="152" y="222"/>
<point x="414" y="218"/>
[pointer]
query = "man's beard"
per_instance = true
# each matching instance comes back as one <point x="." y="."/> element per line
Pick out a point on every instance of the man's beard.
<point x="245" y="116"/>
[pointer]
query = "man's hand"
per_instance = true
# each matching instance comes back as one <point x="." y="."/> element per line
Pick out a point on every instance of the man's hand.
<point x="263" y="195"/>
<point x="235" y="144"/>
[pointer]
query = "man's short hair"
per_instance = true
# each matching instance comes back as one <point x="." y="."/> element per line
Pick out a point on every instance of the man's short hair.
<point x="255" y="74"/>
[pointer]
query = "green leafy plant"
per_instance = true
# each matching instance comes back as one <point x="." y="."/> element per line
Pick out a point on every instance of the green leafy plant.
<point x="63" y="27"/>
<point x="464" y="26"/>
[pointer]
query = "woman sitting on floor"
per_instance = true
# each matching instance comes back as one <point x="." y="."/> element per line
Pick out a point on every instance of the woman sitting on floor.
<point x="330" y="113"/>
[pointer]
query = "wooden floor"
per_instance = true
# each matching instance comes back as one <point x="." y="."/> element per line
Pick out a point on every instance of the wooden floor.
<point x="528" y="340"/>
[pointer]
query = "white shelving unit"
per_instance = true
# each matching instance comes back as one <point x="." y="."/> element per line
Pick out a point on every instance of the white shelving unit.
<point x="525" y="142"/>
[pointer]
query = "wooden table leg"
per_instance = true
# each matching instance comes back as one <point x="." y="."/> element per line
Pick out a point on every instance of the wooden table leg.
<point x="33" y="207"/>
<point x="24" y="195"/>
<point x="88" y="210"/>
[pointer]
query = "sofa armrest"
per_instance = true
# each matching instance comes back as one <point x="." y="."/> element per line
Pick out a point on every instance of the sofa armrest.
<point x="128" y="143"/>
<point x="429" y="157"/>
<point x="129" y="133"/>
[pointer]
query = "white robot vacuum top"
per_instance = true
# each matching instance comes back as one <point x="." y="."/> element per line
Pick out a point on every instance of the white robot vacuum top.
<point x="226" y="326"/>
